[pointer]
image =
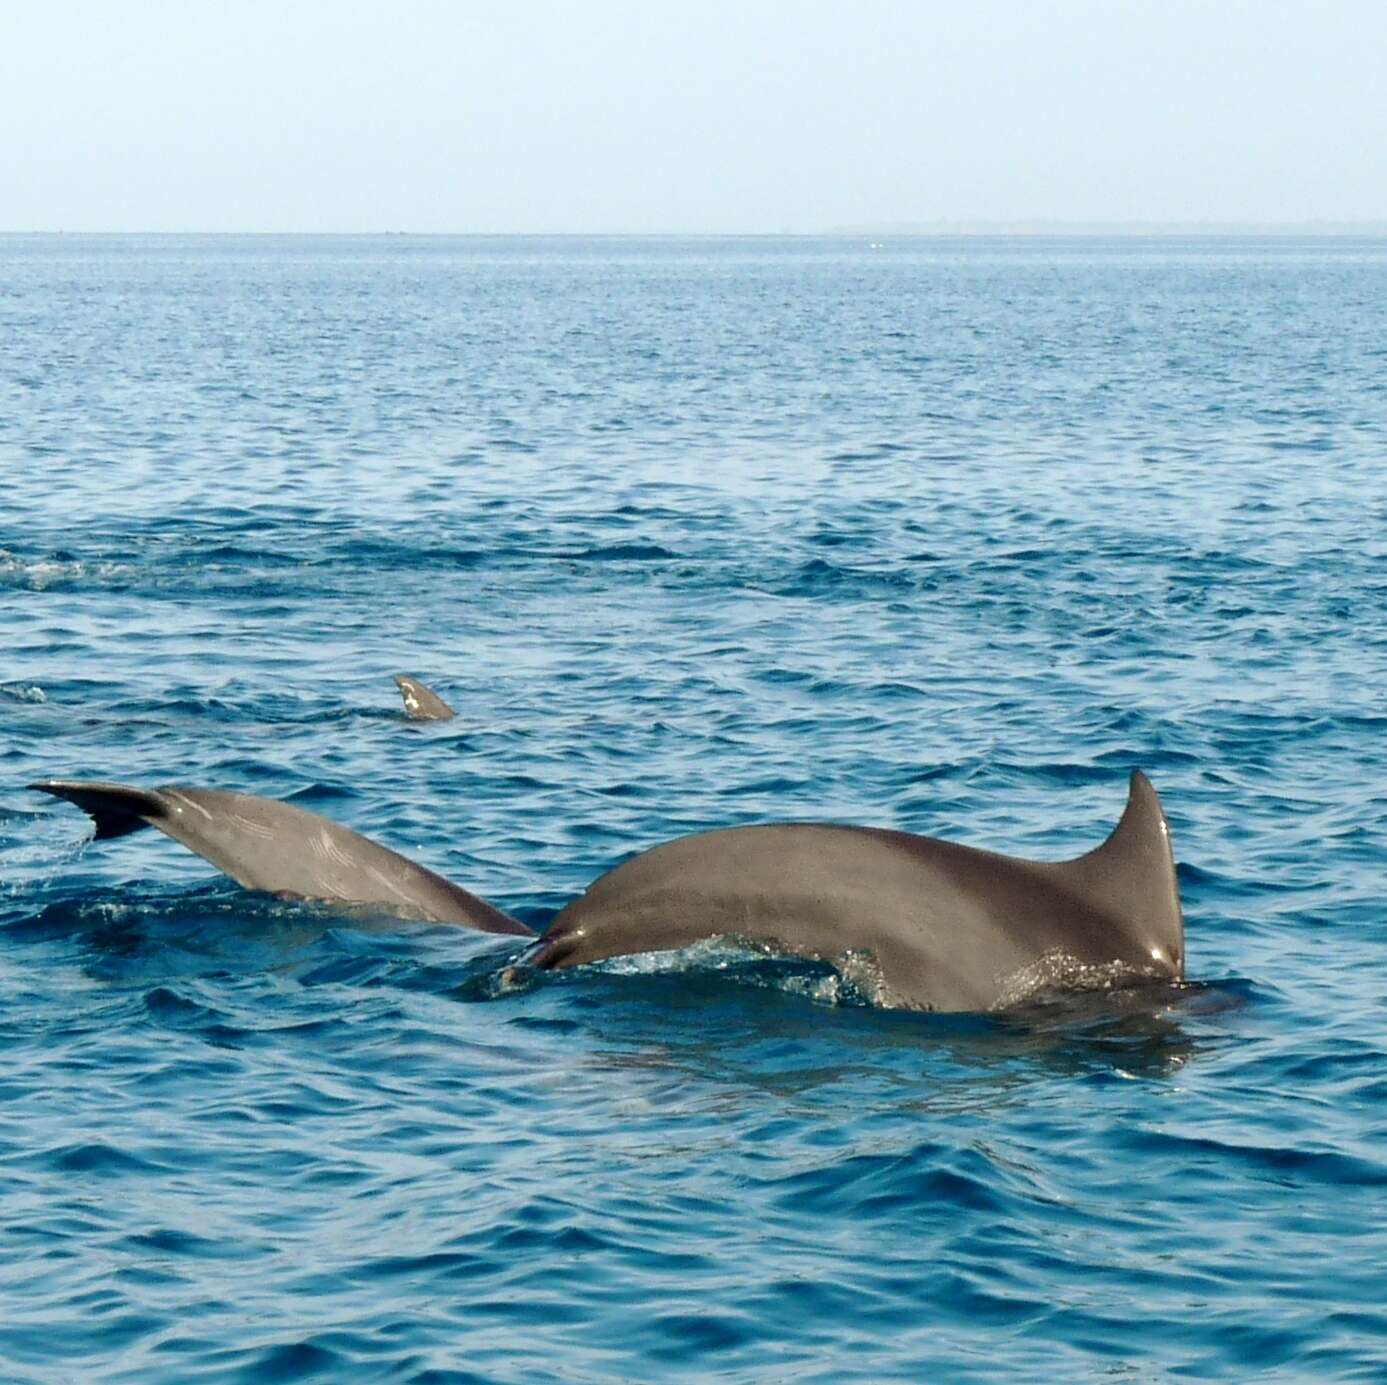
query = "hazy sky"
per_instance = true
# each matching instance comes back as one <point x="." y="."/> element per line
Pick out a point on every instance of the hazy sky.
<point x="517" y="115"/>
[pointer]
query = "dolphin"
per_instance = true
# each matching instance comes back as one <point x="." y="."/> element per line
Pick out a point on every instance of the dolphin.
<point x="421" y="703"/>
<point x="264" y="844"/>
<point x="947" y="927"/>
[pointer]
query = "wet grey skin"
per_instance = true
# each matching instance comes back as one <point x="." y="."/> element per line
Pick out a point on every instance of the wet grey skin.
<point x="421" y="703"/>
<point x="263" y="844"/>
<point x="949" y="927"/>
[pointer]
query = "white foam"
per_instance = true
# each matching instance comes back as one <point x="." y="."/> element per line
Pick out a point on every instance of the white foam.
<point x="1057" y="972"/>
<point x="24" y="692"/>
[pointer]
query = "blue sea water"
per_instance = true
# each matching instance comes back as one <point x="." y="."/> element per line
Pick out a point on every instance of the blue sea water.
<point x="939" y="535"/>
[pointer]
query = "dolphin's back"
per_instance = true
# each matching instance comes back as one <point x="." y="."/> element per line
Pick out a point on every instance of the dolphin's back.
<point x="948" y="925"/>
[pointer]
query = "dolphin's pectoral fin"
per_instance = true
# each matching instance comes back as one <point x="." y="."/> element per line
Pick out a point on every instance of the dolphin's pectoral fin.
<point x="1131" y="877"/>
<point x="264" y="844"/>
<point x="421" y="703"/>
<point x="116" y="809"/>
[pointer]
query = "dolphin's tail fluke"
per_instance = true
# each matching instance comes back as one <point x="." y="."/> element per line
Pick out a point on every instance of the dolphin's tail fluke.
<point x="116" y="809"/>
<point x="421" y="703"/>
<point x="264" y="844"/>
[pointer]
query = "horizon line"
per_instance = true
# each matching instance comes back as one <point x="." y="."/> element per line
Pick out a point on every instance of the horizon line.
<point x="958" y="229"/>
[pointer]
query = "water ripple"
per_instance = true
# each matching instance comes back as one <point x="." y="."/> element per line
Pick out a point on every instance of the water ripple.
<point x="948" y="536"/>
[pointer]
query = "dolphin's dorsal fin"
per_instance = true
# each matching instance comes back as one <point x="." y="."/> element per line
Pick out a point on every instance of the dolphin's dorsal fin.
<point x="1131" y="877"/>
<point x="421" y="703"/>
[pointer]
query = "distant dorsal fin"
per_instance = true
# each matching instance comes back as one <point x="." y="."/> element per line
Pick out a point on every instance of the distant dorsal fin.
<point x="1131" y="877"/>
<point x="421" y="703"/>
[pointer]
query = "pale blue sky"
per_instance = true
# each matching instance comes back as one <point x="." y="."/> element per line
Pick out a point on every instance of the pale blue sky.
<point x="615" y="116"/>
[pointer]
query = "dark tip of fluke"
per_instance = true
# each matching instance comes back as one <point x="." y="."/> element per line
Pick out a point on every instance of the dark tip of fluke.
<point x="116" y="809"/>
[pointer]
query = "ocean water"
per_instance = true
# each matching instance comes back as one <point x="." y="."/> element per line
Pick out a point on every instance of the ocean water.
<point x="944" y="536"/>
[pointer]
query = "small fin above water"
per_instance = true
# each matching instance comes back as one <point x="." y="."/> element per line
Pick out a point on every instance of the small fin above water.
<point x="422" y="703"/>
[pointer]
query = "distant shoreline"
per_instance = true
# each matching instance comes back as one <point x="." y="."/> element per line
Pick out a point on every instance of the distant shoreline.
<point x="1114" y="228"/>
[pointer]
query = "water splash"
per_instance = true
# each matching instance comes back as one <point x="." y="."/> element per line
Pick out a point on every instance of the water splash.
<point x="1057" y="973"/>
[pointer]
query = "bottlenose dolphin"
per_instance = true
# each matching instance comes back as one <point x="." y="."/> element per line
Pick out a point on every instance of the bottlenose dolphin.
<point x="947" y="927"/>
<point x="267" y="845"/>
<point x="421" y="703"/>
